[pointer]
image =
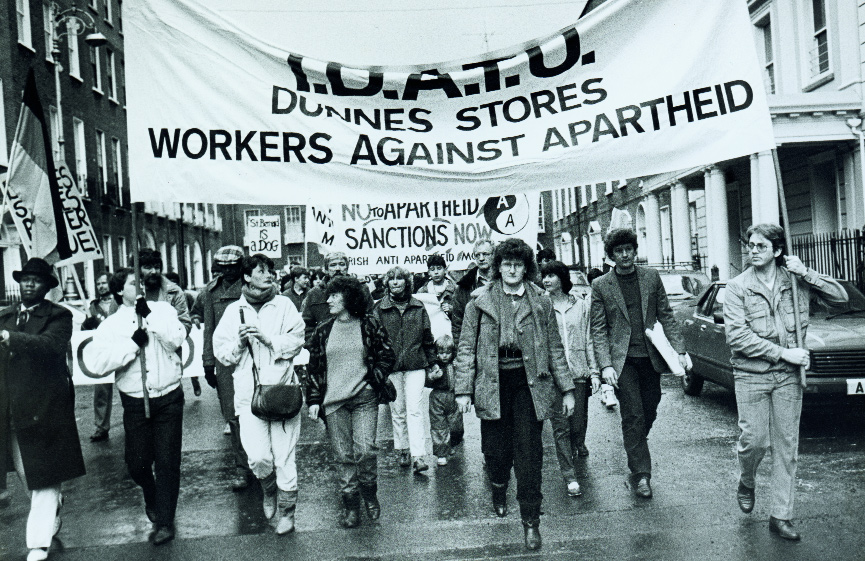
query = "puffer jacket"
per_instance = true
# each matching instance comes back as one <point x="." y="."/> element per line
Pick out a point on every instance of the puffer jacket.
<point x="379" y="359"/>
<point x="759" y="324"/>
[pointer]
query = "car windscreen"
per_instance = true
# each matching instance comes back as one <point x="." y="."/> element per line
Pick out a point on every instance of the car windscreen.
<point x="682" y="286"/>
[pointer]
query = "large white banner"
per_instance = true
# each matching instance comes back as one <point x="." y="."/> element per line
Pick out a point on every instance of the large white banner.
<point x="634" y="88"/>
<point x="377" y="237"/>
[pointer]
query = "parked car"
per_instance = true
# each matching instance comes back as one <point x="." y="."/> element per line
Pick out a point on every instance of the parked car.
<point x="836" y="339"/>
<point x="683" y="286"/>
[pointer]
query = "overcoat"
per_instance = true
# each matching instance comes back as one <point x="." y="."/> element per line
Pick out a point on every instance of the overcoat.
<point x="477" y="363"/>
<point x="36" y="393"/>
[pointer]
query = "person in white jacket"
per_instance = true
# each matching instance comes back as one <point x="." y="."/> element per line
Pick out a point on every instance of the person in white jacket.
<point x="267" y="324"/>
<point x="153" y="445"/>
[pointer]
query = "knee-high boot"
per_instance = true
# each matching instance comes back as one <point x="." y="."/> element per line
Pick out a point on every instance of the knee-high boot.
<point x="286" y="505"/>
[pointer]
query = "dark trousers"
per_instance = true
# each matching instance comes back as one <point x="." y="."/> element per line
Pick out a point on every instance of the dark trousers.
<point x="639" y="394"/>
<point x="514" y="440"/>
<point x="153" y="450"/>
<point x="103" y="394"/>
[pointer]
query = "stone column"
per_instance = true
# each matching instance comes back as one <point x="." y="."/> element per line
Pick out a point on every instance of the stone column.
<point x="681" y="222"/>
<point x="654" y="253"/>
<point x="717" y="223"/>
<point x="764" y="190"/>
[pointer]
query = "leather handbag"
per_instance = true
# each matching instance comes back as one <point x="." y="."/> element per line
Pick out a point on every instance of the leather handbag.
<point x="276" y="402"/>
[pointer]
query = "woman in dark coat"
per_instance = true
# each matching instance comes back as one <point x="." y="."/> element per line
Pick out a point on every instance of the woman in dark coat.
<point x="38" y="435"/>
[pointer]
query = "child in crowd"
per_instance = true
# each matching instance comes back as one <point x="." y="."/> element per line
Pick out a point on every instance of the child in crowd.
<point x="446" y="421"/>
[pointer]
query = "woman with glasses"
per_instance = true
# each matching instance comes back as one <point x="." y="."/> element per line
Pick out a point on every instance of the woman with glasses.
<point x="511" y="364"/>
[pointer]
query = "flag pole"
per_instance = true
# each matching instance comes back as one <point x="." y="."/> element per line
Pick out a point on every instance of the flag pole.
<point x="785" y="218"/>
<point x="135" y="265"/>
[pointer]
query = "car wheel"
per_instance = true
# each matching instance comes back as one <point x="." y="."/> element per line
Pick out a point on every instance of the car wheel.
<point x="692" y="384"/>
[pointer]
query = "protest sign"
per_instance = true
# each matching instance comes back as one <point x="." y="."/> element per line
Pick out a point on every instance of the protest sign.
<point x="83" y="376"/>
<point x="377" y="237"/>
<point x="635" y="88"/>
<point x="263" y="235"/>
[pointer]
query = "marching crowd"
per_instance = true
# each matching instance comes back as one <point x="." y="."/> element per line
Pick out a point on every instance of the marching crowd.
<point x="524" y="347"/>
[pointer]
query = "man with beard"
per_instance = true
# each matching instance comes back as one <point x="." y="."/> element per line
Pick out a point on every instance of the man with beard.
<point x="210" y="306"/>
<point x="103" y="394"/>
<point x="157" y="288"/>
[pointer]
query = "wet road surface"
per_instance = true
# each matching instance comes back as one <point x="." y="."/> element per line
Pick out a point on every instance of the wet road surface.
<point x="447" y="514"/>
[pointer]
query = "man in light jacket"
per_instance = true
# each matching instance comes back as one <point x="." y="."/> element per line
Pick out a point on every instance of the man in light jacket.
<point x="153" y="445"/>
<point x="761" y="332"/>
<point x="625" y="302"/>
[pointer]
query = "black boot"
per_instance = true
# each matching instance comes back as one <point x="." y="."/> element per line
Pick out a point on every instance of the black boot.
<point x="500" y="498"/>
<point x="351" y="514"/>
<point x="533" y="533"/>
<point x="369" y="493"/>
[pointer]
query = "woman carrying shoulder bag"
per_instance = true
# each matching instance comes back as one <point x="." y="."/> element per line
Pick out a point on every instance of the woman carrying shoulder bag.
<point x="350" y="358"/>
<point x="261" y="333"/>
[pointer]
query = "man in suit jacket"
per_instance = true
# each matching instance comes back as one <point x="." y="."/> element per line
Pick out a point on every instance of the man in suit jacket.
<point x="38" y="434"/>
<point x="625" y="302"/>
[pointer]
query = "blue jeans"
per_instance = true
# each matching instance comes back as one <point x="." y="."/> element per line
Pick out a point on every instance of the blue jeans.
<point x="770" y="405"/>
<point x="352" y="430"/>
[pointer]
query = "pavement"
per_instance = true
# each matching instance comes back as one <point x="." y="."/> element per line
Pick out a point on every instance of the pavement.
<point x="447" y="514"/>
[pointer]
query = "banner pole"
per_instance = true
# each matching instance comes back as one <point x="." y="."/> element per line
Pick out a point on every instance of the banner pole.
<point x="785" y="218"/>
<point x="137" y="267"/>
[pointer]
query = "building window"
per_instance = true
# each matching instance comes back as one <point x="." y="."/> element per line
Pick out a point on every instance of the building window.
<point x="120" y="16"/>
<point x="121" y="79"/>
<point x="117" y="169"/>
<point x="101" y="162"/>
<point x="584" y="196"/>
<point x="121" y="249"/>
<point x="22" y="12"/>
<point x="110" y="74"/>
<point x="292" y="215"/>
<point x="72" y="43"/>
<point x="96" y="69"/>
<point x="608" y="187"/>
<point x="765" y="29"/>
<point x="55" y="135"/>
<point x="94" y="4"/>
<point x="593" y="192"/>
<point x="48" y="25"/>
<point x="80" y="155"/>
<point x="541" y="217"/>
<point x="109" y="15"/>
<point x="819" y="55"/>
<point x="107" y="252"/>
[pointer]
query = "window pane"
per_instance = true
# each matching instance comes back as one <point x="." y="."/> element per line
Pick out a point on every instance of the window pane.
<point x="819" y="14"/>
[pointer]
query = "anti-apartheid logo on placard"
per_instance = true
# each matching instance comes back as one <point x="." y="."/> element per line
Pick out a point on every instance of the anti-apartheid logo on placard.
<point x="508" y="214"/>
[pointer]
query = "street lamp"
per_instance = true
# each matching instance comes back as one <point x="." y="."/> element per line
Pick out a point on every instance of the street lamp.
<point x="76" y="22"/>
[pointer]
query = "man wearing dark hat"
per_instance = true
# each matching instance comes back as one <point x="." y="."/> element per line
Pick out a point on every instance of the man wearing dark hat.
<point x="38" y="435"/>
<point x="212" y="302"/>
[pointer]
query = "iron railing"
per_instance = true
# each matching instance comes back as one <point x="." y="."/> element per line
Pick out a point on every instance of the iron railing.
<point x="840" y="255"/>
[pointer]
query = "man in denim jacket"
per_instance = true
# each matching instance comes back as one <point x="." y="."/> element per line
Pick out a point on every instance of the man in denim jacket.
<point x="761" y="332"/>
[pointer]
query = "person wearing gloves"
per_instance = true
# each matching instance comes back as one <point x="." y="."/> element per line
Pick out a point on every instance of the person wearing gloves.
<point x="208" y="309"/>
<point x="153" y="445"/>
<point x="264" y="329"/>
<point x="572" y="317"/>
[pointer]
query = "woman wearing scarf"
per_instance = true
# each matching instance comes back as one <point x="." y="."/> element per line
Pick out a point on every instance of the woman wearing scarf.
<point x="350" y="359"/>
<point x="511" y="364"/>
<point x="408" y="326"/>
<point x="264" y="327"/>
<point x="572" y="317"/>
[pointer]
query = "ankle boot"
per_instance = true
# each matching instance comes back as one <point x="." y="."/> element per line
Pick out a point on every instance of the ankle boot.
<point x="269" y="489"/>
<point x="286" y="505"/>
<point x="533" y="533"/>
<point x="370" y="498"/>
<point x="500" y="499"/>
<point x="351" y="514"/>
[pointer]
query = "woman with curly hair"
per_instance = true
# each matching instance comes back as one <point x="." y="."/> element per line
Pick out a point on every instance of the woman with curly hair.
<point x="350" y="360"/>
<point x="408" y="325"/>
<point x="511" y="364"/>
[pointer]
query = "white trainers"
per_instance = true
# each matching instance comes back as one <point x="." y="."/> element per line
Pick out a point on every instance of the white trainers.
<point x="38" y="554"/>
<point x="442" y="461"/>
<point x="574" y="489"/>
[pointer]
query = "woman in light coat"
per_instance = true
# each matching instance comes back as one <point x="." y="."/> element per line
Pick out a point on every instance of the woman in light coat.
<point x="572" y="317"/>
<point x="265" y="329"/>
